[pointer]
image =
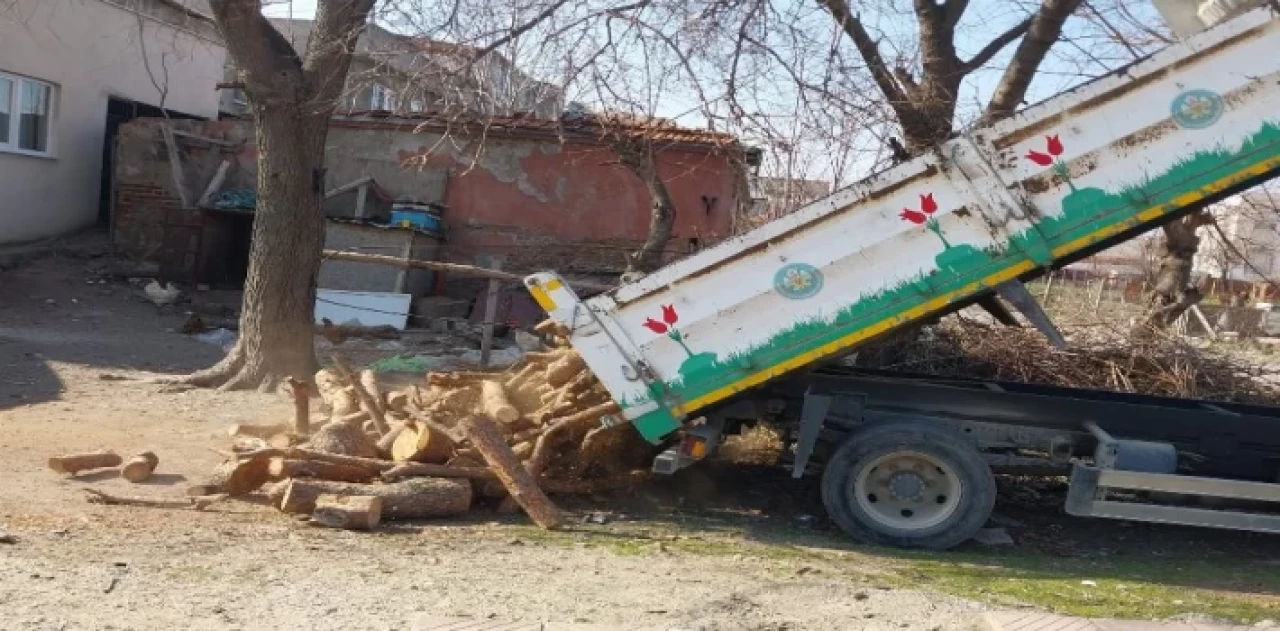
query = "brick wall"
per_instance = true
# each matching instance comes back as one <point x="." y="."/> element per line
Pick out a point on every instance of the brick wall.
<point x="151" y="224"/>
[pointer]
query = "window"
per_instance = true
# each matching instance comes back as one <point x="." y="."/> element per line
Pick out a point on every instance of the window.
<point x="26" y="107"/>
<point x="383" y="98"/>
<point x="417" y="105"/>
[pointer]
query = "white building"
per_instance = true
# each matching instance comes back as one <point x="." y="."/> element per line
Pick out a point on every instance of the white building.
<point x="1251" y="224"/>
<point x="70" y="72"/>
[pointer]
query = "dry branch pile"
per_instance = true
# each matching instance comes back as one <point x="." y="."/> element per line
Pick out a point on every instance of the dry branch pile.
<point x="1096" y="357"/>
<point x="427" y="450"/>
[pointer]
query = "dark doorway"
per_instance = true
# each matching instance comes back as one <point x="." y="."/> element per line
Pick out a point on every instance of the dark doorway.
<point x="225" y="250"/>
<point x="121" y="111"/>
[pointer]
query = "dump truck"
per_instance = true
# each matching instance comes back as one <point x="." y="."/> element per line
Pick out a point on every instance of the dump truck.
<point x="746" y="329"/>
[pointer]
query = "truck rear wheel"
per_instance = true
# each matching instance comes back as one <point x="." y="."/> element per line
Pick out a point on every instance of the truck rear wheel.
<point x="911" y="485"/>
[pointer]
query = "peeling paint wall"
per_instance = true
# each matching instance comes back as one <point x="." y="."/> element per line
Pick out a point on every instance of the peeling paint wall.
<point x="536" y="202"/>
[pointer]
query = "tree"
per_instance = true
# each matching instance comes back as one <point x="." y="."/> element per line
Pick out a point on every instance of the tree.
<point x="292" y="96"/>
<point x="924" y="99"/>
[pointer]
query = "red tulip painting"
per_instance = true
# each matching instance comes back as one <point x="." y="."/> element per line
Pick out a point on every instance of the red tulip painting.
<point x="924" y="216"/>
<point x="1050" y="158"/>
<point x="667" y="326"/>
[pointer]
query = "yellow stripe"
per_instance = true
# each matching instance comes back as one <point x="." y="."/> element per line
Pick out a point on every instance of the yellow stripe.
<point x="939" y="302"/>
<point x="553" y="284"/>
<point x="540" y="296"/>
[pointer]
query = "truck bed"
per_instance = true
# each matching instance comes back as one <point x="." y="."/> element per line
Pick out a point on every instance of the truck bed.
<point x="1091" y="167"/>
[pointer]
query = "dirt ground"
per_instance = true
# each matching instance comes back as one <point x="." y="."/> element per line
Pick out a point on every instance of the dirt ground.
<point x="75" y="356"/>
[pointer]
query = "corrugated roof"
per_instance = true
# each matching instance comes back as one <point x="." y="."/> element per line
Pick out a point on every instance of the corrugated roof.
<point x="659" y="130"/>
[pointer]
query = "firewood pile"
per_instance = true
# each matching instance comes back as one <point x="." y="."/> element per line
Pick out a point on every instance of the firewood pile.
<point x="432" y="449"/>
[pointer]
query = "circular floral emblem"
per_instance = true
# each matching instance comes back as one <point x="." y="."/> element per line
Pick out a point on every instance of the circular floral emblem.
<point x="1197" y="109"/>
<point x="798" y="281"/>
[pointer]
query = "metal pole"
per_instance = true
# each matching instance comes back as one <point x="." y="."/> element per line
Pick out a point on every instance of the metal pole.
<point x="490" y="311"/>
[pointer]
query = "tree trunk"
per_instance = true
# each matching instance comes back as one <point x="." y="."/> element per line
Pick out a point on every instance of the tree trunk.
<point x="662" y="211"/>
<point x="276" y="329"/>
<point x="1173" y="291"/>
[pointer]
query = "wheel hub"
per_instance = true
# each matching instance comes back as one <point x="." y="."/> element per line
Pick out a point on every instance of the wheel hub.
<point x="908" y="490"/>
<point x="907" y="486"/>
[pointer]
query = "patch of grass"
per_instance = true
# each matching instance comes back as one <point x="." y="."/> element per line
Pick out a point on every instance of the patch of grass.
<point x="1141" y="588"/>
<point x="1150" y="586"/>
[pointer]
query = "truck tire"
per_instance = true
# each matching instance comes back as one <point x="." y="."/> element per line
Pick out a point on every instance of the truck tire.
<point x="910" y="485"/>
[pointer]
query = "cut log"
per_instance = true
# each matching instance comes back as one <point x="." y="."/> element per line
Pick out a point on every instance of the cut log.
<point x="335" y="393"/>
<point x="422" y="442"/>
<point x="584" y="418"/>
<point x="350" y="512"/>
<point x="387" y="440"/>
<point x="301" y="391"/>
<point x="233" y="478"/>
<point x="408" y="499"/>
<point x="343" y="439"/>
<point x="369" y="381"/>
<point x="275" y="492"/>
<point x="282" y="468"/>
<point x="494" y="403"/>
<point x="257" y="431"/>
<point x="139" y="467"/>
<point x="366" y="399"/>
<point x="551" y="327"/>
<point x="355" y="419"/>
<point x="487" y="438"/>
<point x="75" y="463"/>
<point x="408" y="469"/>
<point x="562" y="370"/>
<point x="285" y="440"/>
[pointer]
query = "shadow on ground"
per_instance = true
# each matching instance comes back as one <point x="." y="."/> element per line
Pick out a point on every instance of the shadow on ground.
<point x="56" y="309"/>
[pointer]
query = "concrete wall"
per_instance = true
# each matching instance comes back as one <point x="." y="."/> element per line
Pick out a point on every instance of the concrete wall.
<point x="91" y="50"/>
<point x="395" y="242"/>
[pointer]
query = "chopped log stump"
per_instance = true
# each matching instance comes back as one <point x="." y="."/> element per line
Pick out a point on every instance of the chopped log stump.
<point x="350" y="512"/>
<point x="487" y="438"/>
<point x="75" y="463"/>
<point x="422" y="442"/>
<point x="388" y="440"/>
<point x="233" y="478"/>
<point x="282" y="468"/>
<point x="343" y="439"/>
<point x="413" y="498"/>
<point x="139" y="467"/>
<point x="494" y="403"/>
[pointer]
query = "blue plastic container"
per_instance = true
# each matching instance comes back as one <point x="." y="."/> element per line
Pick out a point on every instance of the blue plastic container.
<point x="411" y="217"/>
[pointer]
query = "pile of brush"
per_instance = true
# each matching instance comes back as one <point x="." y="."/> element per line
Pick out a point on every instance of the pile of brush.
<point x="1096" y="357"/>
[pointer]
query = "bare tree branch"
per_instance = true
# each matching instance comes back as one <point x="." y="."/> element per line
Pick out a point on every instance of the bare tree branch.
<point x="870" y="51"/>
<point x="996" y="45"/>
<point x="1044" y="30"/>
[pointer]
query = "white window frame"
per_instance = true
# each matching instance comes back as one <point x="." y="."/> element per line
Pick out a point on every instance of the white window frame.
<point x="15" y="116"/>
<point x="383" y="98"/>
